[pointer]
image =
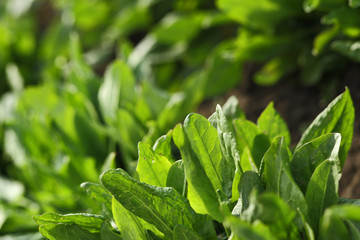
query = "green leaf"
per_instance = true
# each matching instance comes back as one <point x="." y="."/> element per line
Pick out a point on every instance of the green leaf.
<point x="277" y="176"/>
<point x="271" y="123"/>
<point x="152" y="168"/>
<point x="117" y="89"/>
<point x="129" y="225"/>
<point x="322" y="191"/>
<point x="271" y="210"/>
<point x="250" y="136"/>
<point x="337" y="117"/>
<point x="232" y="110"/>
<point x="332" y="227"/>
<point x="350" y="49"/>
<point x="183" y="233"/>
<point x="162" y="146"/>
<point x="66" y="231"/>
<point x="162" y="207"/>
<point x="354" y="3"/>
<point x="107" y="233"/>
<point x="229" y="148"/>
<point x="249" y="181"/>
<point x="205" y="144"/>
<point x="176" y="177"/>
<point x="323" y="39"/>
<point x="100" y="195"/>
<point x="242" y="230"/>
<point x="263" y="14"/>
<point x="310" y="155"/>
<point x="89" y="222"/>
<point x="311" y="5"/>
<point x="201" y="193"/>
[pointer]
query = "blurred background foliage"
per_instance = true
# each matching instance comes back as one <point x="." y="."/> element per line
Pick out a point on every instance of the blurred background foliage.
<point x="82" y="82"/>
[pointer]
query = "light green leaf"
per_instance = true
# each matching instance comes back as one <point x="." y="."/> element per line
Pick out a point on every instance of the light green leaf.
<point x="354" y="3"/>
<point x="129" y="225"/>
<point x="271" y="123"/>
<point x="90" y="222"/>
<point x="322" y="191"/>
<point x="205" y="144"/>
<point x="66" y="231"/>
<point x="277" y="176"/>
<point x="162" y="207"/>
<point x="152" y="168"/>
<point x="310" y="155"/>
<point x="263" y="14"/>
<point x="332" y="227"/>
<point x="201" y="193"/>
<point x="117" y="89"/>
<point x="337" y="117"/>
<point x="323" y="39"/>
<point x="232" y="110"/>
<point x="183" y="233"/>
<point x="311" y="5"/>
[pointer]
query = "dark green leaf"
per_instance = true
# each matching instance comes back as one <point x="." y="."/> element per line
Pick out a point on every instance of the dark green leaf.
<point x="107" y="233"/>
<point x="350" y="49"/>
<point x="249" y="181"/>
<point x="66" y="231"/>
<point x="310" y="155"/>
<point x="337" y="117"/>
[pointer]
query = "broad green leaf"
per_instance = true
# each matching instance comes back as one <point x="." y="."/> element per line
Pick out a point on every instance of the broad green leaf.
<point x="310" y="155"/>
<point x="337" y="117"/>
<point x="129" y="225"/>
<point x="277" y="175"/>
<point x="353" y="229"/>
<point x="243" y="230"/>
<point x="162" y="207"/>
<point x="205" y="144"/>
<point x="350" y="49"/>
<point x="117" y="89"/>
<point x="249" y="181"/>
<point x="322" y="191"/>
<point x="89" y="222"/>
<point x="176" y="177"/>
<point x="183" y="233"/>
<point x="152" y="168"/>
<point x="263" y="14"/>
<point x="271" y="123"/>
<point x="201" y="193"/>
<point x="229" y="148"/>
<point x="250" y="136"/>
<point x="66" y="231"/>
<point x="162" y="146"/>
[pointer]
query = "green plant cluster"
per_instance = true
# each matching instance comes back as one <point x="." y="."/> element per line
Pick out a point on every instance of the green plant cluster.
<point x="315" y="37"/>
<point x="226" y="178"/>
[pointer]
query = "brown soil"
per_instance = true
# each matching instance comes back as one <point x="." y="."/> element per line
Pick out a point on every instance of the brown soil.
<point x="299" y="106"/>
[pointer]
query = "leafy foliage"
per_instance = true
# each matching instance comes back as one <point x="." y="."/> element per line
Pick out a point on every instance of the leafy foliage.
<point x="292" y="194"/>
